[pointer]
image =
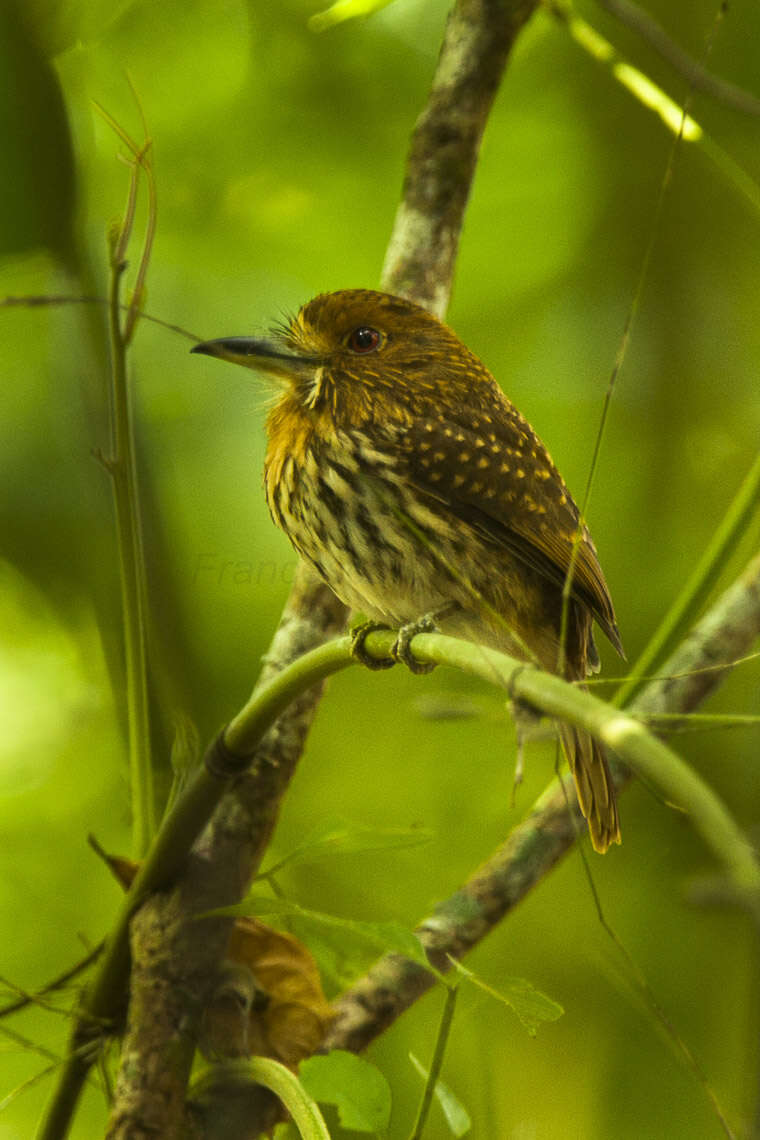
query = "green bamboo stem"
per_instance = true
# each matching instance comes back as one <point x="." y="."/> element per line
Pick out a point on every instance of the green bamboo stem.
<point x="121" y="467"/>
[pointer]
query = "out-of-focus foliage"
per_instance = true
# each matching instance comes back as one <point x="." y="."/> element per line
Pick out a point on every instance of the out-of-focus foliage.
<point x="279" y="157"/>
<point x="37" y="189"/>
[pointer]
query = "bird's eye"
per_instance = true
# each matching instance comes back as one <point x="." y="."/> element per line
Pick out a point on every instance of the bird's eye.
<point x="364" y="339"/>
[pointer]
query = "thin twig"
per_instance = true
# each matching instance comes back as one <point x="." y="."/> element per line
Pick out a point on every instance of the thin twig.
<point x="695" y="73"/>
<point x="38" y="301"/>
<point x="24" y="999"/>
<point x="441" y="1041"/>
<point x="121" y="468"/>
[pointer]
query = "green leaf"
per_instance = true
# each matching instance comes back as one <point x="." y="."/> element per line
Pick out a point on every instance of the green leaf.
<point x="340" y="837"/>
<point x="381" y="937"/>
<point x="359" y="1090"/>
<point x="531" y="1006"/>
<point x="457" y="1116"/>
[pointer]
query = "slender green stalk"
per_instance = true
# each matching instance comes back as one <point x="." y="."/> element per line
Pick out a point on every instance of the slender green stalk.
<point x="100" y="999"/>
<point x="142" y="156"/>
<point x="286" y="1085"/>
<point x="699" y="584"/>
<point x="245" y="730"/>
<point x="624" y="735"/>
<point x="699" y="722"/>
<point x="441" y="1042"/>
<point x="647" y="755"/>
<point x="121" y="467"/>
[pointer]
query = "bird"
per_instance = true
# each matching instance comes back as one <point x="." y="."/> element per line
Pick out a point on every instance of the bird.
<point x="403" y="474"/>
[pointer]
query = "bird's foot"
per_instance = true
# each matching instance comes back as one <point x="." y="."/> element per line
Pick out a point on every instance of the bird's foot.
<point x="401" y="650"/>
<point x="359" y="635"/>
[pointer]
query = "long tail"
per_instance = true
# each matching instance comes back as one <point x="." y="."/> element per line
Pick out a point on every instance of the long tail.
<point x="593" y="783"/>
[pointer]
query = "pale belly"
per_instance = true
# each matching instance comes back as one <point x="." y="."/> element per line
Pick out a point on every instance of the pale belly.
<point x="393" y="557"/>
<point x="373" y="546"/>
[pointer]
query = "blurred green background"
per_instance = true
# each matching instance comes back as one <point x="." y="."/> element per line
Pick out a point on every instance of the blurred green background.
<point x="279" y="157"/>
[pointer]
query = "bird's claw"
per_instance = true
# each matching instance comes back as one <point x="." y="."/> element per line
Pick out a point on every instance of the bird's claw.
<point x="401" y="650"/>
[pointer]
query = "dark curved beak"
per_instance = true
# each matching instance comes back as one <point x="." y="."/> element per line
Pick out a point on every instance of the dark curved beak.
<point x="261" y="355"/>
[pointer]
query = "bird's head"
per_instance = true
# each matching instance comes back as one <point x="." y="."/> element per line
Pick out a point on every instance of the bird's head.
<point x="359" y="354"/>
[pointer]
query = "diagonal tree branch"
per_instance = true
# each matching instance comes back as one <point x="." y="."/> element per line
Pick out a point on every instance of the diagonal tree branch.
<point x="725" y="634"/>
<point x="422" y="250"/>
<point x="175" y="960"/>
